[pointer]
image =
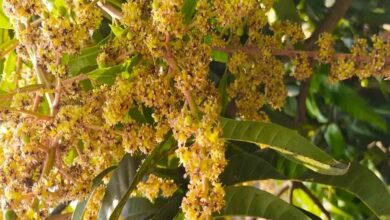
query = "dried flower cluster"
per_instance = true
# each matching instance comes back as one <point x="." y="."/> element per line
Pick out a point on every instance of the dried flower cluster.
<point x="53" y="156"/>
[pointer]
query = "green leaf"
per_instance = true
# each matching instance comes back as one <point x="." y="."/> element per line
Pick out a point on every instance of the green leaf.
<point x="352" y="103"/>
<point x="222" y="87"/>
<point x="138" y="116"/>
<point x="117" y="188"/>
<point x="87" y="58"/>
<point x="251" y="201"/>
<point x="99" y="178"/>
<point x="4" y="21"/>
<point x="125" y="178"/>
<point x="286" y="141"/>
<point x="335" y="140"/>
<point x="314" y="110"/>
<point x="70" y="156"/>
<point x="359" y="180"/>
<point x="247" y="166"/>
<point x="117" y="30"/>
<point x="161" y="209"/>
<point x="6" y="41"/>
<point x="301" y="200"/>
<point x="188" y="10"/>
<point x="108" y="75"/>
<point x="57" y="7"/>
<point x="346" y="99"/>
<point x="219" y="56"/>
<point x="286" y="10"/>
<point x="44" y="107"/>
<point x="8" y="81"/>
<point x="1" y="68"/>
<point x="140" y="208"/>
<point x="79" y="211"/>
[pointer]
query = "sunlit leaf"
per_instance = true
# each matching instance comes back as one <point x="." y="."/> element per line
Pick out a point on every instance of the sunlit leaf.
<point x="285" y="141"/>
<point x="4" y="21"/>
<point x="219" y="56"/>
<point x="188" y="10"/>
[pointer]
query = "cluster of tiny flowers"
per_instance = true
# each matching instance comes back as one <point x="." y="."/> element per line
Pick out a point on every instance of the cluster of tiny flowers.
<point x="302" y="67"/>
<point x="154" y="186"/>
<point x="326" y="48"/>
<point x="265" y="78"/>
<point x="364" y="61"/>
<point x="53" y="34"/>
<point x="288" y="31"/>
<point x="203" y="160"/>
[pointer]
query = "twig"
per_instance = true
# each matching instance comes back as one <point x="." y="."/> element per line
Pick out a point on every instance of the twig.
<point x="80" y="154"/>
<point x="18" y="69"/>
<point x="37" y="100"/>
<point x="36" y="22"/>
<point x="41" y="87"/>
<point x="61" y="168"/>
<point x="283" y="189"/>
<point x="9" y="49"/>
<point x="26" y="89"/>
<point x="192" y="104"/>
<point x="28" y="113"/>
<point x="57" y="96"/>
<point x="109" y="9"/>
<point x="49" y="161"/>
<point x="291" y="196"/>
<point x="61" y="207"/>
<point x="77" y="78"/>
<point x="338" y="11"/>
<point x="65" y="216"/>
<point x="318" y="203"/>
<point x="42" y="78"/>
<point x="173" y="66"/>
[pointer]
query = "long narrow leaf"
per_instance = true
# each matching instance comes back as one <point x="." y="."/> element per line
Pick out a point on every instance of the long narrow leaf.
<point x="251" y="201"/>
<point x="359" y="180"/>
<point x="247" y="166"/>
<point x="79" y="211"/>
<point x="285" y="141"/>
<point x="161" y="209"/>
<point x="125" y="179"/>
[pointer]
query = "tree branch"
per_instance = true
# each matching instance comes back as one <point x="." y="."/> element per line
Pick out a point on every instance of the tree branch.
<point x="338" y="11"/>
<point x="28" y="113"/>
<point x="251" y="50"/>
<point x="39" y="87"/>
<point x="299" y="185"/>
